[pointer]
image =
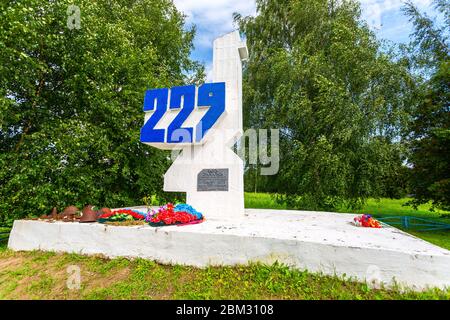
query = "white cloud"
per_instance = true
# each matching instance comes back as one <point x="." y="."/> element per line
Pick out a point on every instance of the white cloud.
<point x="373" y="10"/>
<point x="215" y="9"/>
<point x="214" y="17"/>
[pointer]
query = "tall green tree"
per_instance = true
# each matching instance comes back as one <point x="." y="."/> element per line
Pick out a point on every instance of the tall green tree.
<point x="430" y="128"/>
<point x="317" y="72"/>
<point x="71" y="94"/>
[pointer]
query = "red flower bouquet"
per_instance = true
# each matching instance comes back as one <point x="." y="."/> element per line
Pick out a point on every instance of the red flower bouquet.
<point x="366" y="221"/>
<point x="167" y="216"/>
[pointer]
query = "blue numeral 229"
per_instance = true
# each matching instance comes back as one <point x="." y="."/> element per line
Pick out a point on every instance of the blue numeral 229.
<point x="210" y="95"/>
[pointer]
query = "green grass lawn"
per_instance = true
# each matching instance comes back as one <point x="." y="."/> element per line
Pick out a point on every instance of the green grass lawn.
<point x="377" y="208"/>
<point x="43" y="275"/>
<point x="382" y="207"/>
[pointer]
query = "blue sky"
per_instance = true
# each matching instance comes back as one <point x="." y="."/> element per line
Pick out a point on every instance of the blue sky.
<point x="214" y="18"/>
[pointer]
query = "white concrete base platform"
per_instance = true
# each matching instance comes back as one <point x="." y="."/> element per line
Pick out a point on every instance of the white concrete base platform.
<point x="313" y="241"/>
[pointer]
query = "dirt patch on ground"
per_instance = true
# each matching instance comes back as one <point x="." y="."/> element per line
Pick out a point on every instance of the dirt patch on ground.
<point x="97" y="281"/>
<point x="11" y="262"/>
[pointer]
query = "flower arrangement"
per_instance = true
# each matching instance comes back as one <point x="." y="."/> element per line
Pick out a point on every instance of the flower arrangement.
<point x="366" y="221"/>
<point x="169" y="214"/>
<point x="189" y="209"/>
<point x="121" y="215"/>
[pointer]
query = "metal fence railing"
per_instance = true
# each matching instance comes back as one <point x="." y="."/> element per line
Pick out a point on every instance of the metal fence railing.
<point x="415" y="223"/>
<point x="4" y="234"/>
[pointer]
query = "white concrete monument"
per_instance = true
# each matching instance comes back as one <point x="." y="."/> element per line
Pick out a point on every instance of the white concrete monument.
<point x="204" y="123"/>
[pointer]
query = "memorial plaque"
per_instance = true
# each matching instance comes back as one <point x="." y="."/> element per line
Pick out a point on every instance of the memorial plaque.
<point x="212" y="180"/>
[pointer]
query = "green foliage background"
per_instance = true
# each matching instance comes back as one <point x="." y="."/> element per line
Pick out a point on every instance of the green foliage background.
<point x="71" y="101"/>
<point x="317" y="72"/>
<point x="429" y="131"/>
